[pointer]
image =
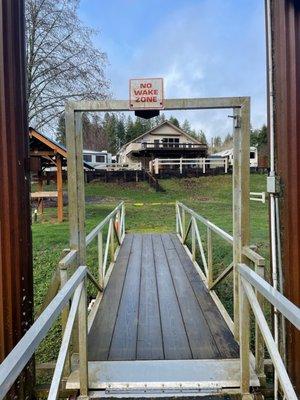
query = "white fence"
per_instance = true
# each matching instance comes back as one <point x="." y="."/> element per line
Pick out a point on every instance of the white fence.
<point x="132" y="166"/>
<point x="258" y="196"/>
<point x="182" y="163"/>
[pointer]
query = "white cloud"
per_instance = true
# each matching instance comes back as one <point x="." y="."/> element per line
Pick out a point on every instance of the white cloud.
<point x="202" y="49"/>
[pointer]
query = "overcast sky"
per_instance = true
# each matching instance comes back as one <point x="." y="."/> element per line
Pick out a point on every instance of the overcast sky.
<point x="202" y="48"/>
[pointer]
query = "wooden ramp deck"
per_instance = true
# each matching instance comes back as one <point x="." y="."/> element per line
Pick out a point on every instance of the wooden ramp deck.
<point x="156" y="307"/>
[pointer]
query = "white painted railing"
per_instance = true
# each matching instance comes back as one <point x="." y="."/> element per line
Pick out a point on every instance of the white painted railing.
<point x="253" y="291"/>
<point x="258" y="196"/>
<point x="17" y="359"/>
<point x="61" y="290"/>
<point x="181" y="163"/>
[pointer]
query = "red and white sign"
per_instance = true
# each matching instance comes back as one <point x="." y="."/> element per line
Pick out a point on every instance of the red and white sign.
<point x="146" y="94"/>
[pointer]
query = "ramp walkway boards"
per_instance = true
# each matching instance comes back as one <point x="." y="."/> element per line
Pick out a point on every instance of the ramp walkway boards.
<point x="156" y="307"/>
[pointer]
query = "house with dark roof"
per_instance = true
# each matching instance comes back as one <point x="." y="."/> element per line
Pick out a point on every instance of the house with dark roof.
<point x="164" y="141"/>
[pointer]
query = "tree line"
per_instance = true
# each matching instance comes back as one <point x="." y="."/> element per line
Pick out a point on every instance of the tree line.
<point x="258" y="138"/>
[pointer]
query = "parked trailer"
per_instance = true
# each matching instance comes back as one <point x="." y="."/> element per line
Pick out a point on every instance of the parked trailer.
<point x="229" y="155"/>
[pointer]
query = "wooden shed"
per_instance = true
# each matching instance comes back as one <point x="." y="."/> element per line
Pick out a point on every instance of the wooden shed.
<point x="45" y="153"/>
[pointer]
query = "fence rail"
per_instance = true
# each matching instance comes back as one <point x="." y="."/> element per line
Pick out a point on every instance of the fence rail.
<point x="258" y="196"/>
<point x="253" y="291"/>
<point x="202" y="163"/>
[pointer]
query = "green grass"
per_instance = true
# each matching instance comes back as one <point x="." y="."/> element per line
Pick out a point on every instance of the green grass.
<point x="146" y="211"/>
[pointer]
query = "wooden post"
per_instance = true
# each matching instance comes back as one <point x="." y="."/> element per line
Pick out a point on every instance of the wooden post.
<point x="209" y="259"/>
<point x="180" y="165"/>
<point x="76" y="198"/>
<point x="241" y="175"/>
<point x="40" y="207"/>
<point x="59" y="181"/>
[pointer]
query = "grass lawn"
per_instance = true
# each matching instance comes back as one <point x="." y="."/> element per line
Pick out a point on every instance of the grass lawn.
<point x="146" y="211"/>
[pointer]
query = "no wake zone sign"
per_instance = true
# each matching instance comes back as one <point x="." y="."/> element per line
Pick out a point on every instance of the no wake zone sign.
<point x="146" y="94"/>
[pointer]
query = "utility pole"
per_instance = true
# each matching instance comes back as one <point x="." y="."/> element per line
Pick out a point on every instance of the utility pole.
<point x="16" y="286"/>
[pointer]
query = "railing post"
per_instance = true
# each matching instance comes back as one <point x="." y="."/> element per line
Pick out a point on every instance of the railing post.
<point x="101" y="271"/>
<point x="209" y="259"/>
<point x="183" y="223"/>
<point x="176" y="215"/>
<point x="203" y="163"/>
<point x="64" y="318"/>
<point x="259" y="341"/>
<point x="82" y="335"/>
<point x="244" y="331"/>
<point x="112" y="241"/>
<point x="226" y="165"/>
<point x="180" y="165"/>
<point x="193" y="239"/>
<point x="123" y="219"/>
<point x="156" y="166"/>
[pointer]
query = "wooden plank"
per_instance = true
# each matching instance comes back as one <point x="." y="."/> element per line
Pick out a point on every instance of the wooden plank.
<point x="101" y="332"/>
<point x="124" y="340"/>
<point x="60" y="198"/>
<point x="149" y="344"/>
<point x="223" y="337"/>
<point x="200" y="338"/>
<point x="175" y="340"/>
<point x="46" y="195"/>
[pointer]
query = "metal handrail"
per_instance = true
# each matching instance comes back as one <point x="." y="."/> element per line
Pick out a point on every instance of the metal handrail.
<point x="228" y="238"/>
<point x="92" y="235"/>
<point x="17" y="359"/>
<point x="250" y="280"/>
<point x="280" y="302"/>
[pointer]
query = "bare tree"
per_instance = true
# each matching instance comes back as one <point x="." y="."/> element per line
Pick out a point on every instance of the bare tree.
<point x="62" y="61"/>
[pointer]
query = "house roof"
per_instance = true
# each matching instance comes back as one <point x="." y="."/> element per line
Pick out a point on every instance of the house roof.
<point x="50" y="143"/>
<point x="228" y="152"/>
<point x="159" y="126"/>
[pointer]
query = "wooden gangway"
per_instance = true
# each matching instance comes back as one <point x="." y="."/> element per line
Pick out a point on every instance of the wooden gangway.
<point x="156" y="307"/>
<point x="157" y="327"/>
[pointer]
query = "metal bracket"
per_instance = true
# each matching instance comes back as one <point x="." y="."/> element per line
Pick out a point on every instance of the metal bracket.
<point x="237" y="121"/>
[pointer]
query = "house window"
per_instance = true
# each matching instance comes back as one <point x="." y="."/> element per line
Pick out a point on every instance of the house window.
<point x="87" y="157"/>
<point x="100" y="159"/>
<point x="170" y="142"/>
<point x="252" y="154"/>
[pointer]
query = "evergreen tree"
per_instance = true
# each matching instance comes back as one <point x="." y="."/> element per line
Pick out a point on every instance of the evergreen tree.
<point x="186" y="127"/>
<point x="61" y="130"/>
<point x="174" y="121"/>
<point x="202" y="137"/>
<point x="129" y="128"/>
